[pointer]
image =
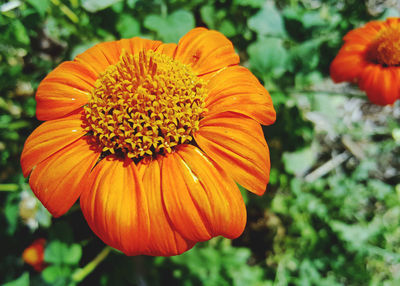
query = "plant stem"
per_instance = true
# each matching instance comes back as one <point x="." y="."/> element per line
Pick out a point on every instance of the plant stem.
<point x="81" y="273"/>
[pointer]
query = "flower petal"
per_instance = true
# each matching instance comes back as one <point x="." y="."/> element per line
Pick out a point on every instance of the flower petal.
<point x="136" y="45"/>
<point x="201" y="200"/>
<point x="65" y="89"/>
<point x="167" y="49"/>
<point x="347" y="66"/>
<point x="236" y="142"/>
<point x="127" y="214"/>
<point x="381" y="84"/>
<point x="206" y="51"/>
<point x="237" y="89"/>
<point x="49" y="138"/>
<point x="164" y="239"/>
<point x="114" y="206"/>
<point x="100" y="56"/>
<point x="57" y="181"/>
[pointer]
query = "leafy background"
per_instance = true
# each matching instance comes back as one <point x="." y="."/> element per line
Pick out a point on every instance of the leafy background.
<point x="332" y="210"/>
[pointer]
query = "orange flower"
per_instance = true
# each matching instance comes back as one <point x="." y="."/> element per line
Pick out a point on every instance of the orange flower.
<point x="370" y="56"/>
<point x="34" y="254"/>
<point x="152" y="137"/>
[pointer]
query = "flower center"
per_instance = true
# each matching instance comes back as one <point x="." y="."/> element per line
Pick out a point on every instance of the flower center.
<point x="386" y="47"/>
<point x="145" y="104"/>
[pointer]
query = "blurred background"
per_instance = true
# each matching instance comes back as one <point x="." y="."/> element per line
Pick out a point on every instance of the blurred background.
<point x="331" y="212"/>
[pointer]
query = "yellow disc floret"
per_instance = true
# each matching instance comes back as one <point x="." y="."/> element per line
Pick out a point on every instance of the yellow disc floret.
<point x="386" y="47"/>
<point x="145" y="104"/>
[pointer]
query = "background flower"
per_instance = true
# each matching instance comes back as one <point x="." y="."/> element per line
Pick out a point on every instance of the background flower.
<point x="370" y="56"/>
<point x="34" y="254"/>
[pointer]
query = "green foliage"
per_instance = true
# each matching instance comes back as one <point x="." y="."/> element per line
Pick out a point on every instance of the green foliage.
<point x="172" y="27"/>
<point x="332" y="209"/>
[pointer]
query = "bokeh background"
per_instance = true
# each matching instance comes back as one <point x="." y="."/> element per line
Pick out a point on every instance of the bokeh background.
<point x="331" y="213"/>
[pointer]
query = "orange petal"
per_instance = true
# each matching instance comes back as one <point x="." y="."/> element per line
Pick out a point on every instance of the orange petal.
<point x="127" y="214"/>
<point x="380" y="84"/>
<point x="347" y="66"/>
<point x="206" y="51"/>
<point x="201" y="200"/>
<point x="135" y="45"/>
<point x="100" y="56"/>
<point x="236" y="142"/>
<point x="364" y="35"/>
<point x="114" y="205"/>
<point x="49" y="138"/>
<point x="164" y="239"/>
<point x="237" y="89"/>
<point x="167" y="49"/>
<point x="57" y="181"/>
<point x="65" y="89"/>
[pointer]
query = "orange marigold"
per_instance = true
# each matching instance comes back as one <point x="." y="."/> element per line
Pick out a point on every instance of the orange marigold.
<point x="34" y="254"/>
<point x="152" y="137"/>
<point x="370" y="56"/>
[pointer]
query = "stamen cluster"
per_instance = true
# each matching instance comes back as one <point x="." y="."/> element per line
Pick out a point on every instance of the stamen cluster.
<point x="385" y="50"/>
<point x="145" y="104"/>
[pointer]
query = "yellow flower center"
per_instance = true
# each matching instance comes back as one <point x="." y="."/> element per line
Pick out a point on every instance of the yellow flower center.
<point x="145" y="104"/>
<point x="386" y="47"/>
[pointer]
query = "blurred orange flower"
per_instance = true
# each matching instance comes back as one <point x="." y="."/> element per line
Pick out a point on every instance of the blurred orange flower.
<point x="34" y="254"/>
<point x="152" y="137"/>
<point x="370" y="56"/>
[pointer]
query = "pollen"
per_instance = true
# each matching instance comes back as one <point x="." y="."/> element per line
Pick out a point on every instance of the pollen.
<point x="145" y="104"/>
<point x="385" y="49"/>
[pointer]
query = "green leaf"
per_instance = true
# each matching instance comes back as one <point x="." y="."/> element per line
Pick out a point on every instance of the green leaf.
<point x="207" y="13"/>
<point x="97" y="5"/>
<point x="298" y="162"/>
<point x="251" y="3"/>
<point x="267" y="22"/>
<point x="23" y="280"/>
<point x="60" y="253"/>
<point x="40" y="5"/>
<point x="55" y="273"/>
<point x="20" y="33"/>
<point x="227" y="28"/>
<point x="73" y="255"/>
<point x="11" y="212"/>
<point x="127" y="26"/>
<point x="171" y="28"/>
<point x="268" y="56"/>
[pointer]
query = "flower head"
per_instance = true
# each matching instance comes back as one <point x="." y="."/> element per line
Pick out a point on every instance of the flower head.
<point x="370" y="56"/>
<point x="34" y="254"/>
<point x="152" y="138"/>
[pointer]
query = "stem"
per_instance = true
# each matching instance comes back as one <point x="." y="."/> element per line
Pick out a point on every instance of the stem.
<point x="8" y="187"/>
<point x="81" y="273"/>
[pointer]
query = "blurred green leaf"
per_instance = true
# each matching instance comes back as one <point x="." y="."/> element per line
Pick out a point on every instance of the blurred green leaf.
<point x="251" y="3"/>
<point x="208" y="15"/>
<point x="19" y="32"/>
<point x="298" y="162"/>
<point x="127" y="26"/>
<point x="40" y="5"/>
<point x="56" y="275"/>
<point x="268" y="21"/>
<point x="97" y="5"/>
<point x="171" y="28"/>
<point x="60" y="253"/>
<point x="227" y="28"/>
<point x="11" y="212"/>
<point x="268" y="57"/>
<point x="23" y="280"/>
